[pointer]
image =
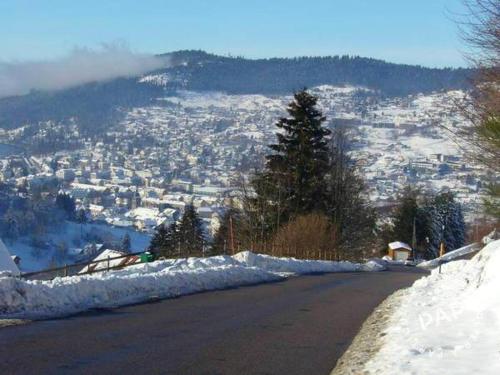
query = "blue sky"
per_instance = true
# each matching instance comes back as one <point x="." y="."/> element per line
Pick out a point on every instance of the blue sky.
<point x="409" y="31"/>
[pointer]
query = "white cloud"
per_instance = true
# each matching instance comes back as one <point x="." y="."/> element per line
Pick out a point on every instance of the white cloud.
<point x="82" y="65"/>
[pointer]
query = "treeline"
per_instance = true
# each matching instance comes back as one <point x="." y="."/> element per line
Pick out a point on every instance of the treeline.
<point x="29" y="212"/>
<point x="308" y="201"/>
<point x="239" y="75"/>
<point x="424" y="221"/>
<point x="43" y="138"/>
<point x="182" y="239"/>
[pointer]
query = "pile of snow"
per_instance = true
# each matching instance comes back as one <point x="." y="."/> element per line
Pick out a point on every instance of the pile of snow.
<point x="300" y="266"/>
<point x="450" y="256"/>
<point x="374" y="265"/>
<point x="388" y="260"/>
<point x="447" y="323"/>
<point x="160" y="279"/>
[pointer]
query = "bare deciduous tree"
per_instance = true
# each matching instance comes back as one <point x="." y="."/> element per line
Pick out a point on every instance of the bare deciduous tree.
<point x="480" y="30"/>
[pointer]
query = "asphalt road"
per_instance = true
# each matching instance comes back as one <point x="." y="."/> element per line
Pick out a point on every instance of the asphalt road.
<point x="298" y="326"/>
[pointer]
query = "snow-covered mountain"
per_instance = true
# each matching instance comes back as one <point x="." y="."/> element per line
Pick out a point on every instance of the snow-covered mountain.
<point x="95" y="105"/>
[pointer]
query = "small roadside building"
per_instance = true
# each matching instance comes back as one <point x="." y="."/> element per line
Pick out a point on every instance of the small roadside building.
<point x="399" y="250"/>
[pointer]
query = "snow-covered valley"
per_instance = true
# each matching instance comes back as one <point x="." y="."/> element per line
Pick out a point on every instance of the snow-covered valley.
<point x="194" y="146"/>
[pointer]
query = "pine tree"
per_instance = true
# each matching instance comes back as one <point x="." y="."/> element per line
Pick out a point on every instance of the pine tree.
<point x="295" y="172"/>
<point x="81" y="218"/>
<point x="157" y="240"/>
<point x="172" y="242"/>
<point x="126" y="243"/>
<point x="309" y="171"/>
<point x="456" y="225"/>
<point x="405" y="216"/>
<point x="446" y="223"/>
<point x="190" y="232"/>
<point x="66" y="203"/>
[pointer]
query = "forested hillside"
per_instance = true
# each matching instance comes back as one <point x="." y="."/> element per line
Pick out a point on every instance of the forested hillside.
<point x="278" y="75"/>
<point x="95" y="105"/>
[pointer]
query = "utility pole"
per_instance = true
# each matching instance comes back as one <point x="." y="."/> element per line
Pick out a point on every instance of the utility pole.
<point x="414" y="237"/>
<point x="441" y="245"/>
<point x="231" y="234"/>
<point x="279" y="208"/>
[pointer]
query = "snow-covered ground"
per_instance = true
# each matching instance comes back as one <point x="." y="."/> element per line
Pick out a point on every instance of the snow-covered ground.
<point x="161" y="279"/>
<point x="447" y="323"/>
<point x="73" y="236"/>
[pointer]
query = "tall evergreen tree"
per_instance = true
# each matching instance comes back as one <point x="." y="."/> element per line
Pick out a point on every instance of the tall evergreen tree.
<point x="309" y="171"/>
<point x="295" y="171"/>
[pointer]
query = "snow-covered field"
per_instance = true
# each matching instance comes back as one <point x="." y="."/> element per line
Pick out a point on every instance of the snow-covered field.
<point x="161" y="279"/>
<point x="447" y="323"/>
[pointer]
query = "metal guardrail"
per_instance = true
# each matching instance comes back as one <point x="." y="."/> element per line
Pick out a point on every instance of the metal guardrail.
<point x="476" y="247"/>
<point x="76" y="268"/>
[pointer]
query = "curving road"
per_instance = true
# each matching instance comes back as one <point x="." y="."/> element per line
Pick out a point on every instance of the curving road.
<point x="298" y="326"/>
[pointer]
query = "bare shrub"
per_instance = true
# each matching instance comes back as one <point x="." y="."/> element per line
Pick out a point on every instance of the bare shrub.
<point x="306" y="236"/>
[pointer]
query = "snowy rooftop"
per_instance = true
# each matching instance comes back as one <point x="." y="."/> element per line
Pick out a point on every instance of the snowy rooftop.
<point x="399" y="245"/>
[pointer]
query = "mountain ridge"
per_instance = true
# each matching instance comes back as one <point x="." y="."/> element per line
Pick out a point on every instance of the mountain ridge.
<point x="96" y="105"/>
<point x="278" y="75"/>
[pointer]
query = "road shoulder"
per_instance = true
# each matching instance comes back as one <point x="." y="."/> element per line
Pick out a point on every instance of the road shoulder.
<point x="369" y="339"/>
